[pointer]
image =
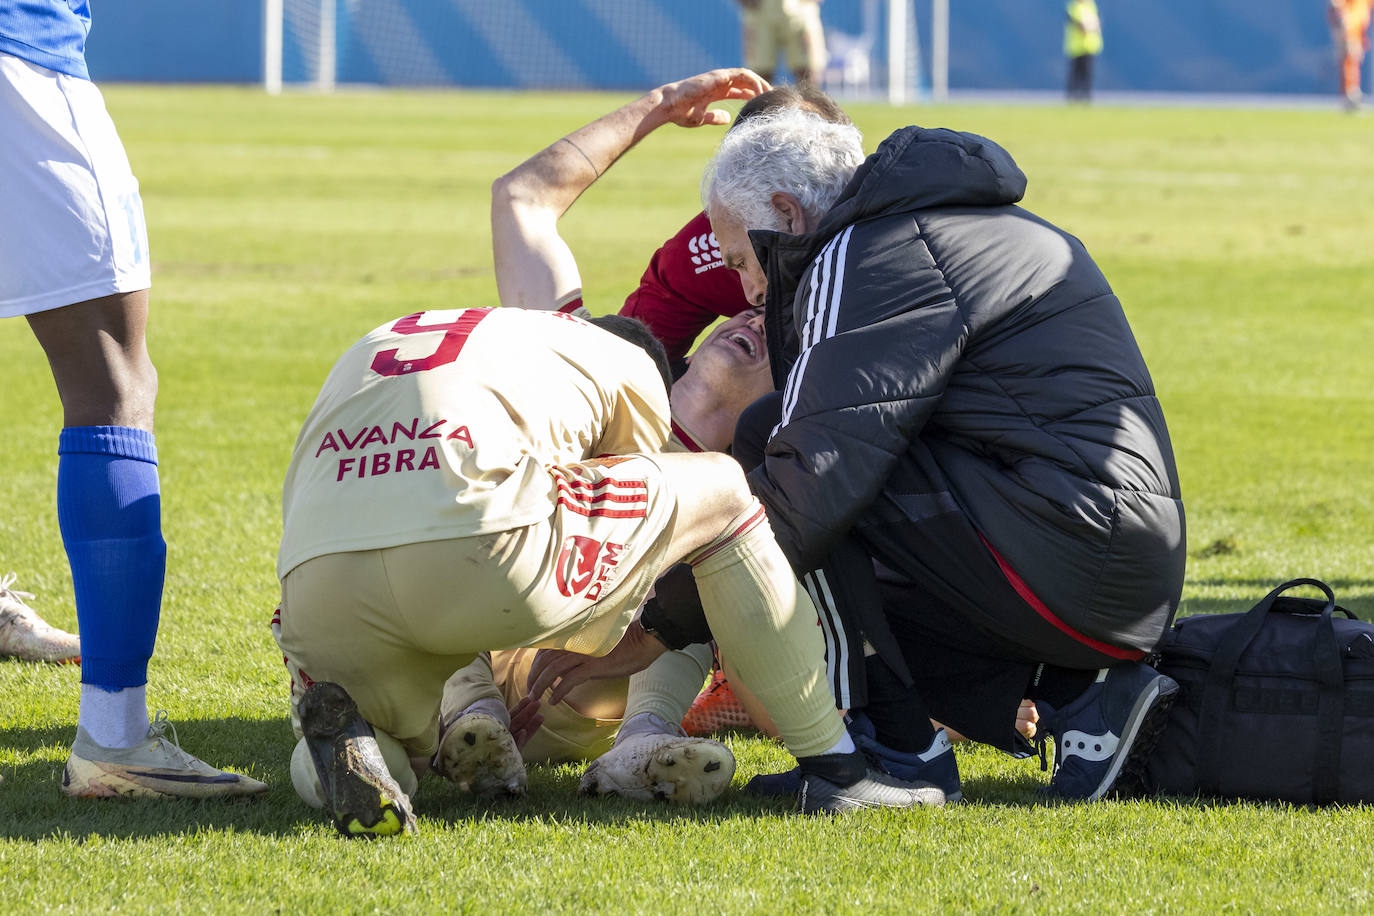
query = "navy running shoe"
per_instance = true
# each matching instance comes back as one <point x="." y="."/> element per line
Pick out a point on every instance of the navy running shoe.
<point x="1108" y="731"/>
<point x="935" y="765"/>
<point x="775" y="785"/>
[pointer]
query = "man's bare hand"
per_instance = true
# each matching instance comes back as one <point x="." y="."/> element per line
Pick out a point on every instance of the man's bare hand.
<point x="686" y="102"/>
<point x="525" y="720"/>
<point x="1027" y="719"/>
<point x="560" y="671"/>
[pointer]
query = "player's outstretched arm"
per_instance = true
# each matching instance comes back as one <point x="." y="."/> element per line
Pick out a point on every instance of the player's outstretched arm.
<point x="534" y="266"/>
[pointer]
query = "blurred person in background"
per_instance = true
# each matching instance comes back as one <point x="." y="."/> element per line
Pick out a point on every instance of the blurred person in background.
<point x="74" y="262"/>
<point x="791" y="28"/>
<point x="1082" y="43"/>
<point x="1350" y="30"/>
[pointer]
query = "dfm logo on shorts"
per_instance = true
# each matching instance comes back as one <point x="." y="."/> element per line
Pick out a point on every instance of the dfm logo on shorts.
<point x="705" y="251"/>
<point x="585" y="566"/>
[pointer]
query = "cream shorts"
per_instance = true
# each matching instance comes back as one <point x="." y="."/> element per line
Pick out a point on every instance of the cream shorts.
<point x="71" y="219"/>
<point x="391" y="625"/>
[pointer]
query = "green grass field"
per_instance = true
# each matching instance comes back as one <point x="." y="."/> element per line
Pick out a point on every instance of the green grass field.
<point x="282" y="229"/>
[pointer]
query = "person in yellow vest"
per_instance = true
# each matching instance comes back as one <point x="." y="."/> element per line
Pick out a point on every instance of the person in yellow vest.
<point x="1082" y="43"/>
<point x="1350" y="28"/>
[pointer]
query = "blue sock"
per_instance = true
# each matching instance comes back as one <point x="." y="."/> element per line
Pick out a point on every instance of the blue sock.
<point x="109" y="507"/>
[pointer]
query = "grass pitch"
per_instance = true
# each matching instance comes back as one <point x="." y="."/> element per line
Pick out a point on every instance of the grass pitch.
<point x="283" y="229"/>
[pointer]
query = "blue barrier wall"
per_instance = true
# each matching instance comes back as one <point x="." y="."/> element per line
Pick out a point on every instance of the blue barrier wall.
<point x="1151" y="45"/>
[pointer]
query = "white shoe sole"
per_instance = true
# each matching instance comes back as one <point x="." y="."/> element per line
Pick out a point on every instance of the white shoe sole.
<point x="662" y="768"/>
<point x="478" y="755"/>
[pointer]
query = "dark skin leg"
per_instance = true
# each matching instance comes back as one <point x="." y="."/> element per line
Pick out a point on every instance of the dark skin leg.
<point x="98" y="354"/>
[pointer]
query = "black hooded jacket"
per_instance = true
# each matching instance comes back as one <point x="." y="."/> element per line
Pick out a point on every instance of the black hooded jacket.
<point x="943" y="352"/>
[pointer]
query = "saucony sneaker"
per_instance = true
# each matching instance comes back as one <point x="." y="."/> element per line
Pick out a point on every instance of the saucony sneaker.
<point x="25" y="635"/>
<point x="358" y="789"/>
<point x="935" y="765"/>
<point x="775" y="785"/>
<point x="1107" y="731"/>
<point x="158" y="768"/>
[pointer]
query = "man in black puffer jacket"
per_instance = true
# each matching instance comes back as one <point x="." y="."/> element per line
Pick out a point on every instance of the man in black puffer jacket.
<point x="963" y="403"/>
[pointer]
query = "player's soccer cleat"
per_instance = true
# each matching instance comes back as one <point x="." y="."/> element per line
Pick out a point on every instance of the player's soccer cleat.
<point x="715" y="709"/>
<point x="358" y="789"/>
<point x="819" y="795"/>
<point x="157" y="768"/>
<point x="25" y="635"/>
<point x="478" y="754"/>
<point x="663" y="768"/>
<point x="935" y="765"/>
<point x="1105" y="734"/>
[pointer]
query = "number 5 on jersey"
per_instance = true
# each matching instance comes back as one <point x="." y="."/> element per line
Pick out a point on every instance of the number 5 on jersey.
<point x="455" y="336"/>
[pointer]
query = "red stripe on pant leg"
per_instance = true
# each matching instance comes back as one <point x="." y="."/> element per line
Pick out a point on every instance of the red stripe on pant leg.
<point x="1039" y="607"/>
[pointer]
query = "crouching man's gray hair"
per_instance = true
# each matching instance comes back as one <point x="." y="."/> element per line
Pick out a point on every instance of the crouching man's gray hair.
<point x="789" y="150"/>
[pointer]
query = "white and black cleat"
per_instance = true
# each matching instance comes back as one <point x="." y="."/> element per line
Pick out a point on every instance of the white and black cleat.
<point x="358" y="789"/>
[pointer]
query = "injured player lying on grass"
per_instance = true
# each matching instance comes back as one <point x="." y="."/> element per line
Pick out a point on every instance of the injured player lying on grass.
<point x="391" y="582"/>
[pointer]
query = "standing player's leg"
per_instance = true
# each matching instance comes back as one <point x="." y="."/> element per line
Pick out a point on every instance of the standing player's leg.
<point x="760" y="40"/>
<point x="806" y="55"/>
<point x="109" y="512"/>
<point x="73" y="259"/>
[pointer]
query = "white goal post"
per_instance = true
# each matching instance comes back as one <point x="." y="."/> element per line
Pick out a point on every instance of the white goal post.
<point x="904" y="50"/>
<point x="301" y="40"/>
<point x="314" y="26"/>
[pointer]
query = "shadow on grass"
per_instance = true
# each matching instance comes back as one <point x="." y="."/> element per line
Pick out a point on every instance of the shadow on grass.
<point x="33" y="808"/>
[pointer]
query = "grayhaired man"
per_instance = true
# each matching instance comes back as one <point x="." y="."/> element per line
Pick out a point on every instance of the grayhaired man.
<point x="960" y="395"/>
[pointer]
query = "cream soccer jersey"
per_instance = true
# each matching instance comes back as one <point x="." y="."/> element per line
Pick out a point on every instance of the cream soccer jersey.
<point x="443" y="424"/>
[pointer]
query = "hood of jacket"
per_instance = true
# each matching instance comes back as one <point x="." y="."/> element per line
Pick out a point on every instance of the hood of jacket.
<point x="916" y="168"/>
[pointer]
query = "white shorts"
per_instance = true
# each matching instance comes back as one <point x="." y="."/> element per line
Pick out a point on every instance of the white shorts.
<point x="71" y="220"/>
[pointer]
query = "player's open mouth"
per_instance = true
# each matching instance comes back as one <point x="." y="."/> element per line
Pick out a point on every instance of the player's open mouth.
<point x="745" y="341"/>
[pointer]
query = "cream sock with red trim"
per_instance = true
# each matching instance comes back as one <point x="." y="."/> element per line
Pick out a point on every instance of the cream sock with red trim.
<point x="765" y="624"/>
<point x="668" y="686"/>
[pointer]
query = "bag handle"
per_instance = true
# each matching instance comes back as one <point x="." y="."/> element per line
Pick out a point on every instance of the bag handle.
<point x="1216" y="692"/>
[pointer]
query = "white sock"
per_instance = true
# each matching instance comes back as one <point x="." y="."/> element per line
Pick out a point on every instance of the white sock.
<point x="844" y="746"/>
<point x="645" y="723"/>
<point x="114" y="718"/>
<point x="490" y="706"/>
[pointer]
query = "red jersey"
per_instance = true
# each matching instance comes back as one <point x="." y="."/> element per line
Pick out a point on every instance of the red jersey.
<point x="686" y="287"/>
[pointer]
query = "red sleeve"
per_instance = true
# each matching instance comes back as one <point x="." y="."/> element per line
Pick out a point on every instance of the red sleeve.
<point x="685" y="288"/>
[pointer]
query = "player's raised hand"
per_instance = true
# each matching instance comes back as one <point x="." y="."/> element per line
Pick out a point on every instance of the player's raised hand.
<point x="686" y="103"/>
